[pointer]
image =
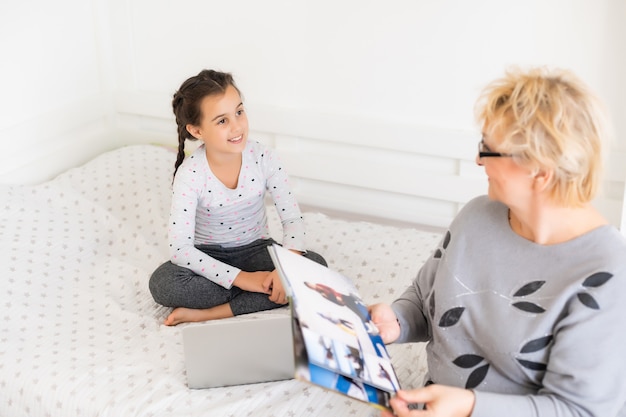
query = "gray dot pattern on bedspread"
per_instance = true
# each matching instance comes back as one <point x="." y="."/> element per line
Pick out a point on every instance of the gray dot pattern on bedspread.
<point x="80" y="333"/>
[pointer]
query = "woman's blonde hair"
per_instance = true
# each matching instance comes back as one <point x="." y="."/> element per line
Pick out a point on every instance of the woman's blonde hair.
<point x="549" y="120"/>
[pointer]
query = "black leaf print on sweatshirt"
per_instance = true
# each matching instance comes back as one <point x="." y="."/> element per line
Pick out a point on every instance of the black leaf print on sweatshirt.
<point x="536" y="344"/>
<point x="446" y="240"/>
<point x="468" y="361"/>
<point x="593" y="281"/>
<point x="451" y="317"/>
<point x="588" y="300"/>
<point x="529" y="307"/>
<point x="476" y="377"/>
<point x="535" y="366"/>
<point x="525" y="290"/>
<point x="597" y="279"/>
<point x="529" y="288"/>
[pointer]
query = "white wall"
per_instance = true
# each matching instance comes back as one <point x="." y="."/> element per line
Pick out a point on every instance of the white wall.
<point x="414" y="63"/>
<point x="53" y="83"/>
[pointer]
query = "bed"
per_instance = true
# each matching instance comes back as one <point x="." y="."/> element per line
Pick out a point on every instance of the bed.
<point x="80" y="332"/>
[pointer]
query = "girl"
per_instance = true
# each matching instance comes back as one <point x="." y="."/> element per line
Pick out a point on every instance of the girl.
<point x="218" y="235"/>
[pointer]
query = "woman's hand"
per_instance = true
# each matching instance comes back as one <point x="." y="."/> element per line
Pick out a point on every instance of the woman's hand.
<point x="440" y="401"/>
<point x="274" y="286"/>
<point x="385" y="319"/>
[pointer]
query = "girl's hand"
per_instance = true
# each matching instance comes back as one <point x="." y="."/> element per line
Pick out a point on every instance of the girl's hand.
<point x="274" y="285"/>
<point x="440" y="401"/>
<point x="385" y="319"/>
<point x="252" y="281"/>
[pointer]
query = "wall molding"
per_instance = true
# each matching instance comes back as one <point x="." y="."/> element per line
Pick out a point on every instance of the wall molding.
<point x="414" y="174"/>
<point x="410" y="174"/>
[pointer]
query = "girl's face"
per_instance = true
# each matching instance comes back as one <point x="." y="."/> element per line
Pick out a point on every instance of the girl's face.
<point x="224" y="124"/>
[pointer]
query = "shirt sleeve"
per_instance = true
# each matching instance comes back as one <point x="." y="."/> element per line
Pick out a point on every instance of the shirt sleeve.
<point x="414" y="308"/>
<point x="181" y="233"/>
<point x="411" y="307"/>
<point x="277" y="184"/>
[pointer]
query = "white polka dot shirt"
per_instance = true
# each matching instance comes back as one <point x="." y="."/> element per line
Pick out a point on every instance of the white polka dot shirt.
<point x="204" y="211"/>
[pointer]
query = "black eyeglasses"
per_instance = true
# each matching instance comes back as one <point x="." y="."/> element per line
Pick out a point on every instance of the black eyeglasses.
<point x="485" y="152"/>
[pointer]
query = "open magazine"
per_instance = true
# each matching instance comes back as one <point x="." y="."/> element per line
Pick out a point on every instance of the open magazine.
<point x="336" y="345"/>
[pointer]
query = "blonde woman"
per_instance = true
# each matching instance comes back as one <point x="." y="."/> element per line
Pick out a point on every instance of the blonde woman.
<point x="522" y="303"/>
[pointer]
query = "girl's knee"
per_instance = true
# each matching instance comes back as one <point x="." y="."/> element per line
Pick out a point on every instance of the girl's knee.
<point x="159" y="281"/>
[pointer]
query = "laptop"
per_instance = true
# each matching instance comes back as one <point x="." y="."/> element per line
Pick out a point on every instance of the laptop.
<point x="239" y="350"/>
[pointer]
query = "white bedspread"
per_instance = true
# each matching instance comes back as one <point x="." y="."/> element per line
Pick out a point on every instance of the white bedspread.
<point x="80" y="334"/>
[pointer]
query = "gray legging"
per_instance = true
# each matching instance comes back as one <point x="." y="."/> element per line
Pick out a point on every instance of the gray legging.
<point x="176" y="286"/>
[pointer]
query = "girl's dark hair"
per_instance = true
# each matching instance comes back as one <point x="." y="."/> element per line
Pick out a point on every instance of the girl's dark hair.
<point x="187" y="100"/>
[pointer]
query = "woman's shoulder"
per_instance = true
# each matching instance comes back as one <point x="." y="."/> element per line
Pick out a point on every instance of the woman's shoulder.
<point x="481" y="204"/>
<point x="611" y="240"/>
<point x="480" y="213"/>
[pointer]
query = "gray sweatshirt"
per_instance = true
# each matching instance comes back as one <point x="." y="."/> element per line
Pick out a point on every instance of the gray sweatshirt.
<point x="534" y="330"/>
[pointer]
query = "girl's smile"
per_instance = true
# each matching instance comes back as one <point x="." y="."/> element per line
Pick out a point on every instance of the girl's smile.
<point x="238" y="139"/>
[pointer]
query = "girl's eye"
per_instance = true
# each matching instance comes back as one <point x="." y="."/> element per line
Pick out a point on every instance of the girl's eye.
<point x="239" y="112"/>
<point x="221" y="121"/>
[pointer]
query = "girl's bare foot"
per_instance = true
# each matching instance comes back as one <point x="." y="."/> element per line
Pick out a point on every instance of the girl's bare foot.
<point x="185" y="315"/>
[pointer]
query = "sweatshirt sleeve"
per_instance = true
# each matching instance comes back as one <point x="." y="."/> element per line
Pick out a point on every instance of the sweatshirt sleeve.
<point x="412" y="307"/>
